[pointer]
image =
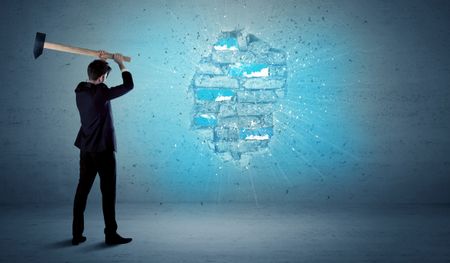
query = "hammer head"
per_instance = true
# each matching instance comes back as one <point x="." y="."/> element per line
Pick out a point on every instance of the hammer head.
<point x="39" y="44"/>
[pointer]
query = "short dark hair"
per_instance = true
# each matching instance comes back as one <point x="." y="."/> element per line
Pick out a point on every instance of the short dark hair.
<point x="97" y="68"/>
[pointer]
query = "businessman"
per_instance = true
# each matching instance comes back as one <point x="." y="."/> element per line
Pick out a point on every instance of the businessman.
<point x="96" y="141"/>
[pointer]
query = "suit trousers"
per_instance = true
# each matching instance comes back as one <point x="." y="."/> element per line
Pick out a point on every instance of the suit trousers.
<point x="91" y="163"/>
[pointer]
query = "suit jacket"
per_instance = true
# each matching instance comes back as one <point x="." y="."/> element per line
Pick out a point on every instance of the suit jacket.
<point x="93" y="102"/>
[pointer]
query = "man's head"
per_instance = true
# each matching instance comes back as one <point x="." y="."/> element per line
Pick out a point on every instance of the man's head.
<point x="98" y="70"/>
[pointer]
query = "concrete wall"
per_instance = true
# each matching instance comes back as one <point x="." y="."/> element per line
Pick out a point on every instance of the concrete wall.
<point x="365" y="117"/>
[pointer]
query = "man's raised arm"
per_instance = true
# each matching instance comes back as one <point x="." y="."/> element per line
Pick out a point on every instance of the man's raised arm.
<point x="127" y="85"/>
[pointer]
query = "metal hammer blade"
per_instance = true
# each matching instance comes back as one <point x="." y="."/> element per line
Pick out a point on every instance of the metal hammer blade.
<point x="39" y="44"/>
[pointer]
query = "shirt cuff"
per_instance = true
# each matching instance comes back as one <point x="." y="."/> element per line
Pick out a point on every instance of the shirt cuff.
<point x="125" y="70"/>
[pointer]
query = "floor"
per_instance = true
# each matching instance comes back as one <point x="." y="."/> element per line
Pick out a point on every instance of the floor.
<point x="232" y="233"/>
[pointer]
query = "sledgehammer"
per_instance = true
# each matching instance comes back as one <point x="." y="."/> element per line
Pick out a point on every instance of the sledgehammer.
<point x="40" y="44"/>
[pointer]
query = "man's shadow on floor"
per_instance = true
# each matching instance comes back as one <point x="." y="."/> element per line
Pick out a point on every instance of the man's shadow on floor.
<point x="68" y="243"/>
<point x="60" y="244"/>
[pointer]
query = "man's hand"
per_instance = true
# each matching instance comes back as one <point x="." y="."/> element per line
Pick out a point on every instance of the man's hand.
<point x="118" y="58"/>
<point x="102" y="54"/>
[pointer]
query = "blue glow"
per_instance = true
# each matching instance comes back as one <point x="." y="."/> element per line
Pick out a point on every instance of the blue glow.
<point x="246" y="133"/>
<point x="246" y="69"/>
<point x="228" y="43"/>
<point x="205" y="120"/>
<point x="213" y="94"/>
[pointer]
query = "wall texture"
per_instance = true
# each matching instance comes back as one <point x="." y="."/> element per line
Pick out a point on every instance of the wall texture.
<point x="365" y="117"/>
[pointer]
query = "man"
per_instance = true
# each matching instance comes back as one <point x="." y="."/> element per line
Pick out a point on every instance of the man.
<point x="96" y="141"/>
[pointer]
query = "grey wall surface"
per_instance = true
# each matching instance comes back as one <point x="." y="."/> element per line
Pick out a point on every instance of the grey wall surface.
<point x="365" y="118"/>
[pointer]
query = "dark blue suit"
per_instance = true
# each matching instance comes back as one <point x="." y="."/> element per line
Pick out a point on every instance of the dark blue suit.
<point x="96" y="140"/>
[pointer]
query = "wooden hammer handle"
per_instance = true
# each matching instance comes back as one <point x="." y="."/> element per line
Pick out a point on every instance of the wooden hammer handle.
<point x="81" y="51"/>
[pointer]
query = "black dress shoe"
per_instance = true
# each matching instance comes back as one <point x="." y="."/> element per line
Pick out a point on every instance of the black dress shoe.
<point x="78" y="240"/>
<point x="116" y="239"/>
